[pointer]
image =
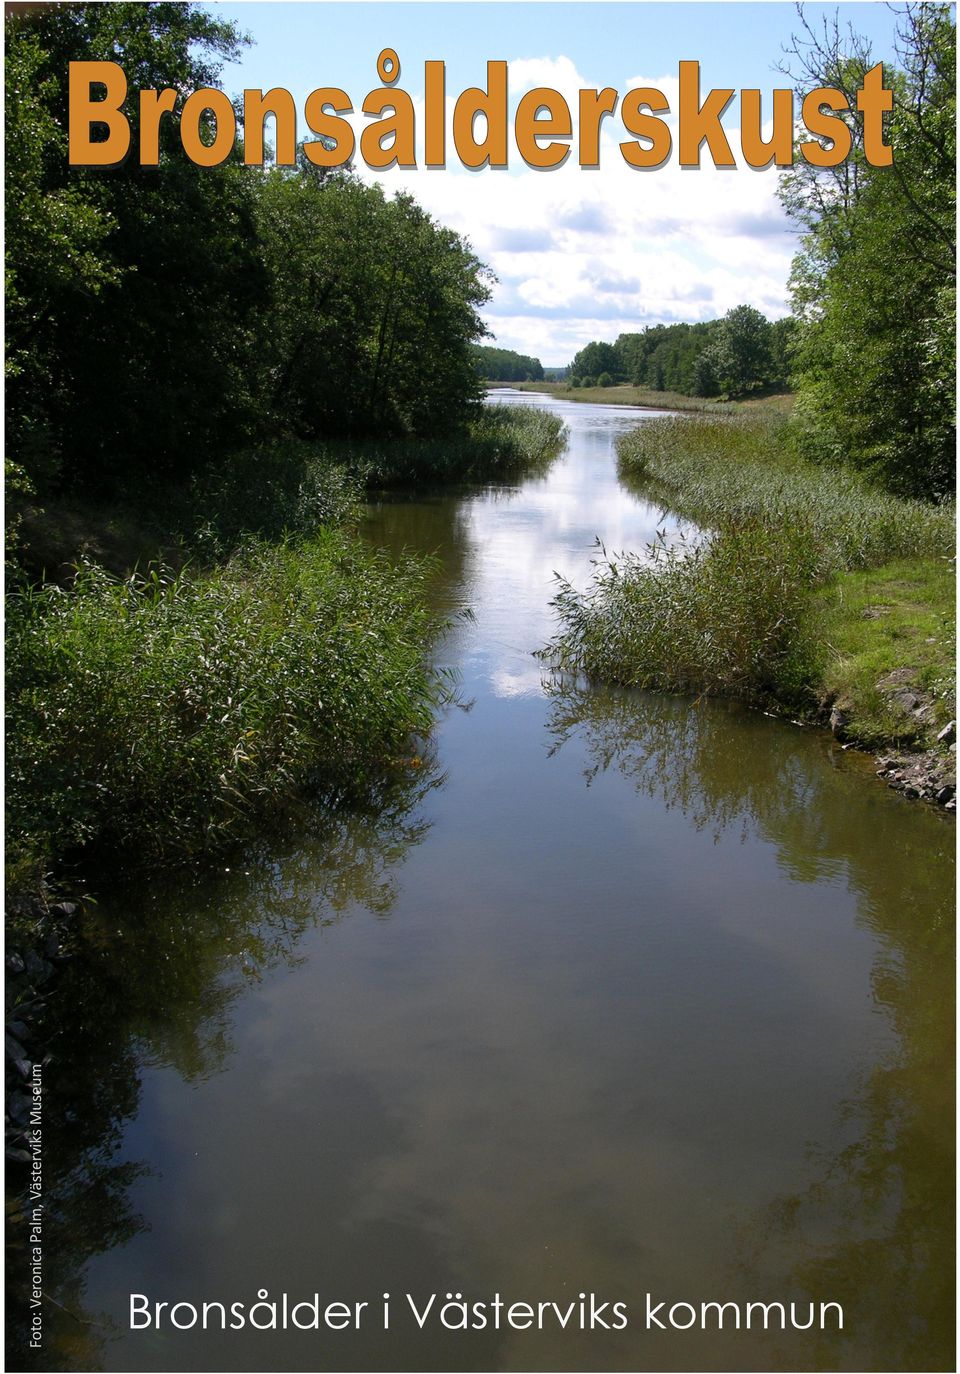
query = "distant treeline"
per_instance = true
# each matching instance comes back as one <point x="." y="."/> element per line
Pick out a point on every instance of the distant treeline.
<point x="159" y="321"/>
<point x="504" y="365"/>
<point x="733" y="356"/>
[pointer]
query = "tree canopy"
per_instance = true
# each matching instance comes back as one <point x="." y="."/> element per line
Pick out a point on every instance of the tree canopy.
<point x="160" y="319"/>
<point x="740" y="353"/>
<point x="874" y="286"/>
<point x="594" y="359"/>
<point x="504" y="365"/>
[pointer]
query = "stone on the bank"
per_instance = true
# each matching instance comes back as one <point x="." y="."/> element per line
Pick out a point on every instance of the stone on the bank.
<point x="37" y="967"/>
<point x="839" y="720"/>
<point x="898" y="678"/>
<point x="907" y="701"/>
<point x="947" y="733"/>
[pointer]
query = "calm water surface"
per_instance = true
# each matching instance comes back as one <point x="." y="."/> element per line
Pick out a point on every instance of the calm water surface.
<point x="615" y="994"/>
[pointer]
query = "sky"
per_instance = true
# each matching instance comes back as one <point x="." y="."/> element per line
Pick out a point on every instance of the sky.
<point x="579" y="254"/>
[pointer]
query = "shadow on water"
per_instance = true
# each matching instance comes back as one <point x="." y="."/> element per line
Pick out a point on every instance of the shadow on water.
<point x="875" y="1227"/>
<point x="159" y="989"/>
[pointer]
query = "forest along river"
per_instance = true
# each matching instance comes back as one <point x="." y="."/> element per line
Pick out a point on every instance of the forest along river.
<point x="616" y="994"/>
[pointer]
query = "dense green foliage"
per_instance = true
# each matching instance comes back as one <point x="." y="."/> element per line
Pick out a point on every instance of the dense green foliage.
<point x="163" y="713"/>
<point x="159" y="320"/>
<point x="372" y="311"/>
<point x="663" y="356"/>
<point x="504" y="365"/>
<point x="594" y="359"/>
<point x="874" y="286"/>
<point x="742" y="353"/>
<point x="730" y="611"/>
<point x="130" y="333"/>
<point x="745" y="353"/>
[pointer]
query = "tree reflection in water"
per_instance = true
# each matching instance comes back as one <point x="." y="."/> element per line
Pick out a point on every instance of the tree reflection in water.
<point x="160" y="993"/>
<point x="876" y="1226"/>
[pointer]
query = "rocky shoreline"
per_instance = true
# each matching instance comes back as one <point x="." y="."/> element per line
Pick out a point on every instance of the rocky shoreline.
<point x="921" y="774"/>
<point x="929" y="776"/>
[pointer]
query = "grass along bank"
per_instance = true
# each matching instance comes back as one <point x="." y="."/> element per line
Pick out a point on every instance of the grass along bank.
<point x="166" y="713"/>
<point x="646" y="398"/>
<point x="813" y="588"/>
<point x="290" y="487"/>
<point x="884" y="642"/>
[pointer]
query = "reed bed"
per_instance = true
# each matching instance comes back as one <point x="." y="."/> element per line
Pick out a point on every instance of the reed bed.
<point x="729" y="473"/>
<point x="730" y="612"/>
<point x="502" y="443"/>
<point x="165" y="713"/>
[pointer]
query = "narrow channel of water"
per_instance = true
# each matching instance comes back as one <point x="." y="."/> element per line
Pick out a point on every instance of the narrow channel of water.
<point x="616" y="994"/>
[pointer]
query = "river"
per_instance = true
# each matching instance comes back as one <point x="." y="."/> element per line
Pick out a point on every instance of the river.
<point x="616" y="994"/>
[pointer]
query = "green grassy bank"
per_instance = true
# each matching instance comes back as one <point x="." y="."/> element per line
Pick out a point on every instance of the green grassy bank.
<point x="168" y="712"/>
<point x="646" y="398"/>
<point x="811" y="588"/>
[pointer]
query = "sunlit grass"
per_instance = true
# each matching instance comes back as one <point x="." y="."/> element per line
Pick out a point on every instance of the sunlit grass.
<point x="501" y="443"/>
<point x="862" y="626"/>
<point x="750" y="609"/>
<point x="162" y="714"/>
<point x="625" y="394"/>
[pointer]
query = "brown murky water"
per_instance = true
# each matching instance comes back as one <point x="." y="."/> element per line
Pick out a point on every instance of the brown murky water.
<point x="616" y="995"/>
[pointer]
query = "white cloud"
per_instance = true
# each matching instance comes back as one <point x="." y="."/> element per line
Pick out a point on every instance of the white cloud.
<point x="585" y="254"/>
<point x="559" y="73"/>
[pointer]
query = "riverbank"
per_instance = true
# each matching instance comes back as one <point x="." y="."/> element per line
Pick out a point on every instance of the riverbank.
<point x="645" y="398"/>
<point x="289" y="487"/>
<point x="816" y="594"/>
<point x="163" y="711"/>
<point x="261" y="658"/>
